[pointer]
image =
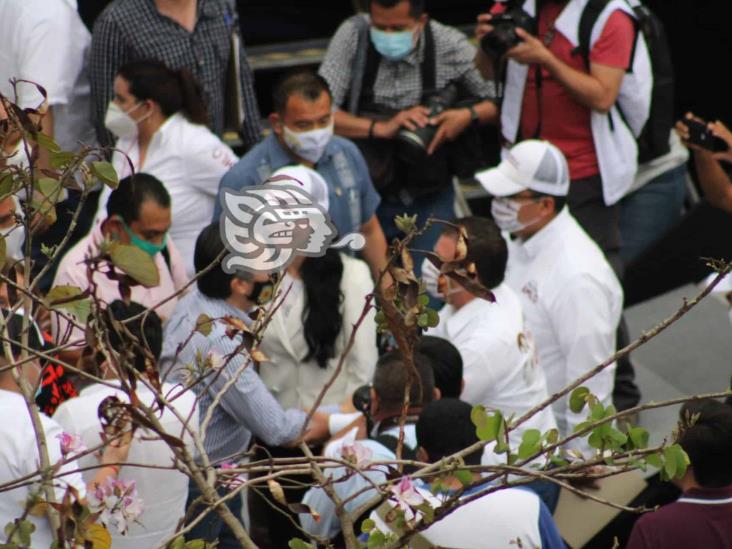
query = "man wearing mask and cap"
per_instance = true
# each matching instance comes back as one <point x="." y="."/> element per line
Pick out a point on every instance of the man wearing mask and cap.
<point x="138" y="213"/>
<point x="570" y="295"/>
<point x="302" y="133"/>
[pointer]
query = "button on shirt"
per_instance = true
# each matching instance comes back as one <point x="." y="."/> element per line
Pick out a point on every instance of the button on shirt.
<point x="351" y="194"/>
<point x="500" y="367"/>
<point x="572" y="302"/>
<point x="247" y="406"/>
<point x="398" y="84"/>
<point x="189" y="160"/>
<point x="163" y="491"/>
<point x="45" y="41"/>
<point x="72" y="271"/>
<point x="131" y="30"/>
<point x="19" y="458"/>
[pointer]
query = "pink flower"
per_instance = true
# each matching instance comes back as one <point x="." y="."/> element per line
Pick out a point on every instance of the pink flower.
<point x="116" y="503"/>
<point x="357" y="454"/>
<point x="70" y="443"/>
<point x="406" y="494"/>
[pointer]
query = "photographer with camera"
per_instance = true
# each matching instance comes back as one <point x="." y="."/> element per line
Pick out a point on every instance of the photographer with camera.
<point x="556" y="92"/>
<point x="376" y="435"/>
<point x="703" y="232"/>
<point x="406" y="87"/>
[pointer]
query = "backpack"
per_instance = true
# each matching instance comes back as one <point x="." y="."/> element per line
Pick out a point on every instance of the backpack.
<point x="653" y="140"/>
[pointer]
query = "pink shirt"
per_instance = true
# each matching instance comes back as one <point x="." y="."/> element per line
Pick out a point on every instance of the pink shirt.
<point x="71" y="271"/>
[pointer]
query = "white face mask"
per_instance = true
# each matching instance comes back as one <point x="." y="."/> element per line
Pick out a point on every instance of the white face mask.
<point x="120" y="123"/>
<point x="505" y="213"/>
<point x="309" y="145"/>
<point x="14" y="238"/>
<point x="430" y="275"/>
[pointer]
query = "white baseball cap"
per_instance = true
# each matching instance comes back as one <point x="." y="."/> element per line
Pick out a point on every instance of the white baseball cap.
<point x="535" y="165"/>
<point x="307" y="179"/>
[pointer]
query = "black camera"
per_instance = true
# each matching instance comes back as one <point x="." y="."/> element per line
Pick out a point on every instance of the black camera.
<point x="362" y="399"/>
<point x="701" y="135"/>
<point x="412" y="145"/>
<point x="503" y="37"/>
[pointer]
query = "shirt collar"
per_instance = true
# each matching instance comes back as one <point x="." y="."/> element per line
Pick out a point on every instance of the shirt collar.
<point x="701" y="492"/>
<point x="167" y="127"/>
<point x="533" y="246"/>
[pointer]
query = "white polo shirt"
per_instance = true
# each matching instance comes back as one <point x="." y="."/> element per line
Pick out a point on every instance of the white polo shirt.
<point x="572" y="301"/>
<point x="19" y="457"/>
<point x="46" y="42"/>
<point x="190" y="160"/>
<point x="163" y="492"/>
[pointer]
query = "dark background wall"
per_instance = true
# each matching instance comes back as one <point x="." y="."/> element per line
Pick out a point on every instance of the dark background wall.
<point x="701" y="40"/>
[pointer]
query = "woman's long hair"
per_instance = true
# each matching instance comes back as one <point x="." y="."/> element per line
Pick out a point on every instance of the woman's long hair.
<point x="322" y="316"/>
<point x="173" y="90"/>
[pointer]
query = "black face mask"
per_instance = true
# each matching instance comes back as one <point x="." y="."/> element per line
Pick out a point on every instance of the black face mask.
<point x="261" y="293"/>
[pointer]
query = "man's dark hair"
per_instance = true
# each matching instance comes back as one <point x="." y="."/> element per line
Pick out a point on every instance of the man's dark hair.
<point x="305" y="83"/>
<point x="487" y="248"/>
<point x="214" y="283"/>
<point x="146" y="331"/>
<point x="444" y="428"/>
<point x="127" y="199"/>
<point x="708" y="442"/>
<point x="416" y="7"/>
<point x="447" y="364"/>
<point x="390" y="378"/>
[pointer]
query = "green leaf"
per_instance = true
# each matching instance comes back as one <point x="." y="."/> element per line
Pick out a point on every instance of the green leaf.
<point x="670" y="464"/>
<point x="367" y="525"/>
<point x="597" y="411"/>
<point x="50" y="188"/>
<point x="177" y="543"/>
<point x="47" y="142"/>
<point x="204" y="324"/>
<point x="558" y="461"/>
<point x="99" y="536"/>
<point x="530" y="443"/>
<point x="654" y="460"/>
<point x="423" y="320"/>
<point x="59" y="159"/>
<point x="675" y="454"/>
<point x="434" y="318"/>
<point x="48" y="251"/>
<point x="23" y="530"/>
<point x="106" y="172"/>
<point x="137" y="264"/>
<point x="427" y="511"/>
<point x="501" y="444"/>
<point x="196" y="544"/>
<point x="6" y="185"/>
<point x="406" y="223"/>
<point x="423" y="300"/>
<point x="617" y="439"/>
<point x="376" y="539"/>
<point x="297" y="543"/>
<point x="638" y="437"/>
<point x="595" y="440"/>
<point x="487" y="426"/>
<point x="581" y="426"/>
<point x="80" y="308"/>
<point x="578" y="399"/>
<point x="464" y="477"/>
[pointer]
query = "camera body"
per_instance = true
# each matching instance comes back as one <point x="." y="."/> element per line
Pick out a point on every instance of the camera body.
<point x="503" y="37"/>
<point x="361" y="399"/>
<point x="412" y="144"/>
<point x="700" y="134"/>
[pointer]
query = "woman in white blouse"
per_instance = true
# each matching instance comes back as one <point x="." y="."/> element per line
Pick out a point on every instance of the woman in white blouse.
<point x="159" y="117"/>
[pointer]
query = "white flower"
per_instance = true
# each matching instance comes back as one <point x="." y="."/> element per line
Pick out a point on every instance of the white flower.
<point x="117" y="503"/>
<point x="406" y="494"/>
<point x="357" y="454"/>
<point x="70" y="443"/>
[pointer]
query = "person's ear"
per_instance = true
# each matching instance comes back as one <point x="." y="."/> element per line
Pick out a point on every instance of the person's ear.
<point x="374" y="398"/>
<point x="422" y="455"/>
<point x="436" y="394"/>
<point x="240" y="287"/>
<point x="422" y="21"/>
<point x="275" y="121"/>
<point x="462" y="385"/>
<point x="113" y="228"/>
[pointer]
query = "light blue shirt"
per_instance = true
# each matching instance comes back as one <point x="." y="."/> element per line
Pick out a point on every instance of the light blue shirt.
<point x="352" y="197"/>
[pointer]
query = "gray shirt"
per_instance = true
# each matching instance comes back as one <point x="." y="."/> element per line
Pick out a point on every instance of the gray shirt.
<point x="247" y="406"/>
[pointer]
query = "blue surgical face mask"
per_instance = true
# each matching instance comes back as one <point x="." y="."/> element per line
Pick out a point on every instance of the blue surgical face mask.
<point x="393" y="45"/>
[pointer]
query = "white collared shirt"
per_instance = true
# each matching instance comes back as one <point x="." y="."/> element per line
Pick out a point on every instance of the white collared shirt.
<point x="46" y="42"/>
<point x="163" y="492"/>
<point x="572" y="301"/>
<point x="189" y="160"/>
<point x="500" y="368"/>
<point x="19" y="457"/>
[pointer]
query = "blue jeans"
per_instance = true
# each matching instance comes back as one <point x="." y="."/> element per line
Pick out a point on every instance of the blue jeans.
<point x="213" y="527"/>
<point x="648" y="213"/>
<point x="440" y="205"/>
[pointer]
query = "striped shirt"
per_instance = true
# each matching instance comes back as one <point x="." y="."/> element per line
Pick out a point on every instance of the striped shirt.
<point x="398" y="84"/>
<point x="247" y="406"/>
<point x="130" y="30"/>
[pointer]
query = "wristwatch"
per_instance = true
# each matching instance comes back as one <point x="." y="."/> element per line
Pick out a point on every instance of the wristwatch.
<point x="474" y="118"/>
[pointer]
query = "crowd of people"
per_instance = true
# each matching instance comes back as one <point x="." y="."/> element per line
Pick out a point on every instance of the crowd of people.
<point x="585" y="219"/>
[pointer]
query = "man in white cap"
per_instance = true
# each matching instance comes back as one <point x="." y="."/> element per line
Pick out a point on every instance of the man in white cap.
<point x="570" y="295"/>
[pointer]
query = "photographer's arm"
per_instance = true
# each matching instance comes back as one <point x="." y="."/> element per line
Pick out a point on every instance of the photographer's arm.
<point x="597" y="90"/>
<point x="453" y="122"/>
<point x="484" y="63"/>
<point x="714" y="181"/>
<point x="358" y="127"/>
